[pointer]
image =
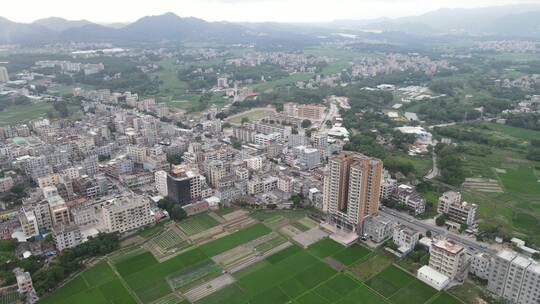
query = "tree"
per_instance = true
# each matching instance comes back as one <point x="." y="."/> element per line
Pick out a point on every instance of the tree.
<point x="175" y="159"/>
<point x="178" y="213"/>
<point x="463" y="227"/>
<point x="536" y="256"/>
<point x="428" y="234"/>
<point x="296" y="199"/>
<point x="236" y="144"/>
<point x="306" y="123"/>
<point x="244" y="120"/>
<point x="440" y="220"/>
<point x="328" y="123"/>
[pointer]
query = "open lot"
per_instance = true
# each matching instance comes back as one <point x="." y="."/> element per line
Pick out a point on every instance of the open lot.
<point x="24" y="113"/>
<point x="251" y="115"/>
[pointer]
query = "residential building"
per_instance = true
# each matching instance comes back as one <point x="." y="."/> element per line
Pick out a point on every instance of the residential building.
<point x="457" y="211"/>
<point x="127" y="213"/>
<point x="407" y="196"/>
<point x="66" y="236"/>
<point x="353" y="189"/>
<point x="378" y="228"/>
<point x="480" y="265"/>
<point x="161" y="183"/>
<point x="515" y="277"/>
<point x="254" y="163"/>
<point x="449" y="258"/>
<point x="184" y="185"/>
<point x="28" y="221"/>
<point x="308" y="158"/>
<point x="388" y="185"/>
<point x="24" y="281"/>
<point x="59" y="211"/>
<point x="405" y="238"/>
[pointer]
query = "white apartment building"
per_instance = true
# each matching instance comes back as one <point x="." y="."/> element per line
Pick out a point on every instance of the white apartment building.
<point x="254" y="163"/>
<point x="242" y="173"/>
<point x="515" y="277"/>
<point x="379" y="228"/>
<point x="457" y="211"/>
<point x="160" y="178"/>
<point x="480" y="265"/>
<point x="127" y="213"/>
<point x="405" y="238"/>
<point x="66" y="236"/>
<point x="448" y="258"/>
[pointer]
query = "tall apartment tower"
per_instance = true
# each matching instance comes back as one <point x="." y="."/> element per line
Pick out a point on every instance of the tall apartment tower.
<point x="352" y="189"/>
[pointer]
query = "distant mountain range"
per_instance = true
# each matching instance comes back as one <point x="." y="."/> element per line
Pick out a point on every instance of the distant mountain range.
<point x="514" y="21"/>
<point x="511" y="20"/>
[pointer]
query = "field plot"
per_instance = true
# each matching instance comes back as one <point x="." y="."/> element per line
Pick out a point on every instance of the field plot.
<point x="9" y="297"/>
<point x="97" y="285"/>
<point x="389" y="281"/>
<point x="445" y="298"/>
<point x="275" y="221"/>
<point x="193" y="274"/>
<point x="254" y="265"/>
<point x="197" y="223"/>
<point x="325" y="248"/>
<point x="167" y="243"/>
<point x="351" y="254"/>
<point x="251" y="115"/>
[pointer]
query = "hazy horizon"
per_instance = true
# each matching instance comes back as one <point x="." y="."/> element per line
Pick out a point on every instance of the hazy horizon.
<point x="122" y="11"/>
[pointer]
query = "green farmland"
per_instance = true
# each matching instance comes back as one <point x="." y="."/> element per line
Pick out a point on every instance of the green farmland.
<point x="290" y="275"/>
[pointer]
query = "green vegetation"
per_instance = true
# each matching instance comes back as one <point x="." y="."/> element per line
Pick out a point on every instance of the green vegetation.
<point x="197" y="223"/>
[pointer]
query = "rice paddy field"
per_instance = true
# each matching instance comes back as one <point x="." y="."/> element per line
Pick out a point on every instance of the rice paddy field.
<point x="290" y="274"/>
<point x="197" y="223"/>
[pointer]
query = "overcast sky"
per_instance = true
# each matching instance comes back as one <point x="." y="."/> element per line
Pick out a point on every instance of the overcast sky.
<point x="105" y="11"/>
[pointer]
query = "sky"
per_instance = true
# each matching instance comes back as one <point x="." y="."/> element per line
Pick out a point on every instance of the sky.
<point x="108" y="11"/>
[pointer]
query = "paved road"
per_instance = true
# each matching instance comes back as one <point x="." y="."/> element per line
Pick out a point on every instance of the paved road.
<point x="434" y="172"/>
<point x="423" y="227"/>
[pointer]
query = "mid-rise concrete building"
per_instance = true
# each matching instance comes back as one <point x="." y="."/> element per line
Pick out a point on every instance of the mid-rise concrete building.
<point x="24" y="281"/>
<point x="457" y="211"/>
<point x="184" y="185"/>
<point x="448" y="258"/>
<point x="405" y="238"/>
<point x="127" y="213"/>
<point x="515" y="278"/>
<point x="66" y="236"/>
<point x="407" y="196"/>
<point x="160" y="178"/>
<point x="378" y="228"/>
